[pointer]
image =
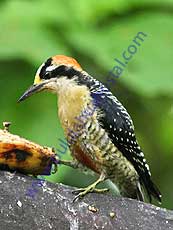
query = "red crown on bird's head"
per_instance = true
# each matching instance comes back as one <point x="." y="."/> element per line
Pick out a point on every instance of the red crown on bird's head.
<point x="64" y="60"/>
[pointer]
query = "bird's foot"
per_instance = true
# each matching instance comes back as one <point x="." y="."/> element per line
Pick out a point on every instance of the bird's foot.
<point x="71" y="163"/>
<point x="81" y="192"/>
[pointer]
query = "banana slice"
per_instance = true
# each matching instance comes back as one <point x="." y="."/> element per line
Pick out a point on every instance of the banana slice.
<point x="19" y="154"/>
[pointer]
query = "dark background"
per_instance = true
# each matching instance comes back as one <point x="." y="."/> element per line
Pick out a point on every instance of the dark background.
<point x="93" y="32"/>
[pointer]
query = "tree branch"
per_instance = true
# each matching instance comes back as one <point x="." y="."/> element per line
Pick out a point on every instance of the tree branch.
<point x="52" y="208"/>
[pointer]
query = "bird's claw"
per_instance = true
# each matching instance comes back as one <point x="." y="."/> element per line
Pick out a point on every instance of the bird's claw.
<point x="81" y="192"/>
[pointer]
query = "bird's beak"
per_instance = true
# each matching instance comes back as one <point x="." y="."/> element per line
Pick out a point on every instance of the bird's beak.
<point x="32" y="90"/>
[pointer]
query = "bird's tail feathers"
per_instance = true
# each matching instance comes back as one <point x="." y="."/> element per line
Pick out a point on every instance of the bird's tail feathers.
<point x="139" y="192"/>
<point x="151" y="189"/>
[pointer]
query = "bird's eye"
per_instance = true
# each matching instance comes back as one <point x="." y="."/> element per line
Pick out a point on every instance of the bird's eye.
<point x="47" y="75"/>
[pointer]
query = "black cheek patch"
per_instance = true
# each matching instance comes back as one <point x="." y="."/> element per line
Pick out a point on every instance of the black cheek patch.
<point x="62" y="70"/>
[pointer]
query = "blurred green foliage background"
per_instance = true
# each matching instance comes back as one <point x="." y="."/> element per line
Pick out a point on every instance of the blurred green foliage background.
<point x="93" y="32"/>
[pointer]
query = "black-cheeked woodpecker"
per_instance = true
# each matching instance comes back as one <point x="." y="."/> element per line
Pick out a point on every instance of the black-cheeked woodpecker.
<point x="105" y="141"/>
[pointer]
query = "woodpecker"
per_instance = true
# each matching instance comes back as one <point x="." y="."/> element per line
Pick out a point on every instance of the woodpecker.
<point x="104" y="140"/>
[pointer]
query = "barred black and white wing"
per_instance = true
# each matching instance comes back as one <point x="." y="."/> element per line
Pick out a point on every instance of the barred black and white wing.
<point x="119" y="126"/>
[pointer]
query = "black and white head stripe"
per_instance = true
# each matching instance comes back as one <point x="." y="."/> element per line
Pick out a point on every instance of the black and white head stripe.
<point x="42" y="70"/>
<point x="49" y="70"/>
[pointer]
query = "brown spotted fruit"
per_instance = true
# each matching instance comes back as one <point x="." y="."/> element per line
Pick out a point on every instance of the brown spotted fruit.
<point x="19" y="154"/>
